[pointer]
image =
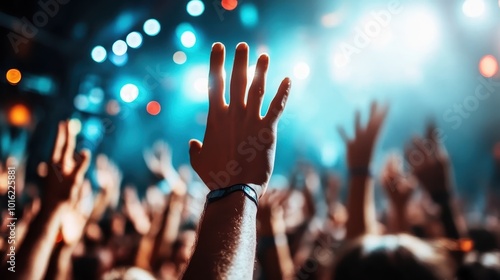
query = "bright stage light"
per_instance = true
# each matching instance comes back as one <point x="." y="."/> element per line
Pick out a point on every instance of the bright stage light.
<point x="422" y="30"/>
<point x="488" y="66"/>
<point x="179" y="57"/>
<point x="188" y="39"/>
<point x="196" y="83"/>
<point x="134" y="39"/>
<point x="250" y="74"/>
<point x="119" y="47"/>
<point x="129" y="93"/>
<point x="249" y="15"/>
<point x="98" y="54"/>
<point x="152" y="27"/>
<point x="195" y="8"/>
<point x="301" y="71"/>
<point x="201" y="85"/>
<point x="473" y="8"/>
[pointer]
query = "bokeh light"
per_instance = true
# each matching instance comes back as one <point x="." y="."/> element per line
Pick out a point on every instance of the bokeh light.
<point x="113" y="107"/>
<point x="75" y="126"/>
<point x="229" y="4"/>
<point x="119" y="47"/>
<point x="301" y="71"/>
<point x="13" y="76"/>
<point x="119" y="60"/>
<point x="188" y="39"/>
<point x="488" y="66"/>
<point x="249" y="15"/>
<point x="179" y="57"/>
<point x="473" y="8"/>
<point x="98" y="54"/>
<point x="153" y="108"/>
<point x="152" y="27"/>
<point x="81" y="102"/>
<point x="19" y="115"/>
<point x="134" y="39"/>
<point x="129" y="93"/>
<point x="195" y="8"/>
<point x="422" y="29"/>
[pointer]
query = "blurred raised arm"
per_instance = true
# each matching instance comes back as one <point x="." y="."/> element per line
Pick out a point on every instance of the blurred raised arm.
<point x="60" y="192"/>
<point x="431" y="166"/>
<point x="360" y="204"/>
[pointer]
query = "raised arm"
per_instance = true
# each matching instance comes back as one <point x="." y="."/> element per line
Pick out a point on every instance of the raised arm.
<point x="431" y="166"/>
<point x="59" y="193"/>
<point x="399" y="187"/>
<point x="238" y="148"/>
<point x="360" y="204"/>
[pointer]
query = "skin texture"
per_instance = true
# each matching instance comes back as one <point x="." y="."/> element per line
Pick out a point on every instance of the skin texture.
<point x="226" y="242"/>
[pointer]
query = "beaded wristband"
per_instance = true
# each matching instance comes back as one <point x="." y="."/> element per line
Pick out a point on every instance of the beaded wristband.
<point x="221" y="193"/>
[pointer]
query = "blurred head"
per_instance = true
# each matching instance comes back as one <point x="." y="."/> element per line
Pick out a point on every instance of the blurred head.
<point x="393" y="257"/>
<point x="183" y="247"/>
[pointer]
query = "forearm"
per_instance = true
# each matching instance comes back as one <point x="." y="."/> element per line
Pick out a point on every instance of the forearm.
<point x="397" y="221"/>
<point x="225" y="247"/>
<point x="360" y="207"/>
<point x="274" y="253"/>
<point x="450" y="218"/>
<point x="60" y="267"/>
<point x="38" y="244"/>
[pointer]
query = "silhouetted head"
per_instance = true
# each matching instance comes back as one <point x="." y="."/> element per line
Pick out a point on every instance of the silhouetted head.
<point x="395" y="257"/>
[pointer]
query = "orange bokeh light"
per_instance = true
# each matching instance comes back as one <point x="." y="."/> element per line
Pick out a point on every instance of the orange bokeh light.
<point x="229" y="4"/>
<point x="153" y="108"/>
<point x="19" y="115"/>
<point x="466" y="245"/>
<point x="13" y="76"/>
<point x="488" y="66"/>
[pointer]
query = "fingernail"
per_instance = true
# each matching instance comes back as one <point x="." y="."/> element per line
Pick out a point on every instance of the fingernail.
<point x="242" y="46"/>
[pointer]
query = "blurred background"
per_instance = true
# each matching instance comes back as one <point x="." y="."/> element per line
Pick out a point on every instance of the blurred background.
<point x="130" y="72"/>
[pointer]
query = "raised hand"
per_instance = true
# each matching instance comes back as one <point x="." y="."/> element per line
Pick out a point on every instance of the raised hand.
<point x="61" y="191"/>
<point x="135" y="210"/>
<point x="66" y="170"/>
<point x="159" y="159"/>
<point x="398" y="185"/>
<point x="239" y="144"/>
<point x="75" y="218"/>
<point x="360" y="201"/>
<point x="360" y="148"/>
<point x="430" y="163"/>
<point x="270" y="213"/>
<point x="109" y="178"/>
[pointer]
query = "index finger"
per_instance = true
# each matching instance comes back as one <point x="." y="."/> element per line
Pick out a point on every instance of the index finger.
<point x="216" y="77"/>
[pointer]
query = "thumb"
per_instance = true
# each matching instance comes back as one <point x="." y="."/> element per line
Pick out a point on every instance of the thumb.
<point x="194" y="148"/>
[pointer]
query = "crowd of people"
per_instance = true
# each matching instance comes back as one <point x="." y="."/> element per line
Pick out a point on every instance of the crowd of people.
<point x="223" y="219"/>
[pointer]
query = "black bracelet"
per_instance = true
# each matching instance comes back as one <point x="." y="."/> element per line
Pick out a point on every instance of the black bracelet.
<point x="360" y="171"/>
<point x="220" y="193"/>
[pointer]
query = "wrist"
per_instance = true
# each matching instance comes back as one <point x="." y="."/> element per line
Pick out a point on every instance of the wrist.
<point x="359" y="171"/>
<point x="221" y="193"/>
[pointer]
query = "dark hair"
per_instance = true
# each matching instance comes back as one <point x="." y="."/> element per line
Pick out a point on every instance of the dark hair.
<point x="392" y="257"/>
